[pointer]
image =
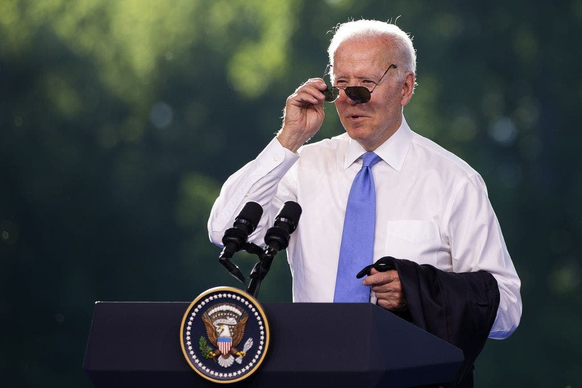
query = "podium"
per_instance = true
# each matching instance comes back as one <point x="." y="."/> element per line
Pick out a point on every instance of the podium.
<point x="136" y="344"/>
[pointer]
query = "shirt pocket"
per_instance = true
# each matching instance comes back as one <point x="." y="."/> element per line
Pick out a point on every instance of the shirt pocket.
<point x="413" y="240"/>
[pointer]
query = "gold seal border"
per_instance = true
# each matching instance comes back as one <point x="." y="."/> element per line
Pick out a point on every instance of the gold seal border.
<point x="256" y="304"/>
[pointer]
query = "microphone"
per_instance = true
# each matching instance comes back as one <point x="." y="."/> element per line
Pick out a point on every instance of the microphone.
<point x="235" y="238"/>
<point x="277" y="237"/>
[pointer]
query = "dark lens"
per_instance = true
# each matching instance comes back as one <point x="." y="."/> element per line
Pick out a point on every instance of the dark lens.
<point x="358" y="94"/>
<point x="331" y="94"/>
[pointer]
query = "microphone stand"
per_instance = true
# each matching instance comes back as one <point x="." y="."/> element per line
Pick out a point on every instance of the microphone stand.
<point x="260" y="270"/>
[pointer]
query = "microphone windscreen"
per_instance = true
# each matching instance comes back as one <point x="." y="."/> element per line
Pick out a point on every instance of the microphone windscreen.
<point x="290" y="211"/>
<point x="251" y="212"/>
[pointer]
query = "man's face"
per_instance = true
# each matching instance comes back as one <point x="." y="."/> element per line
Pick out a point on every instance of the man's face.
<point x="361" y="63"/>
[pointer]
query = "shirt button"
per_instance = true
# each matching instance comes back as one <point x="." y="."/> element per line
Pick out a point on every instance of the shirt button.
<point x="275" y="158"/>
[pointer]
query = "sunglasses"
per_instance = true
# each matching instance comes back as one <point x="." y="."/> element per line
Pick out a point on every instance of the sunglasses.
<point x="359" y="94"/>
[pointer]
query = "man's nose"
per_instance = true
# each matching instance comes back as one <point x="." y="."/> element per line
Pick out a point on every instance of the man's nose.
<point x="343" y="96"/>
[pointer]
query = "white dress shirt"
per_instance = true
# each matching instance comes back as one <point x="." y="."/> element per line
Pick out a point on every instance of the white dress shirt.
<point x="432" y="208"/>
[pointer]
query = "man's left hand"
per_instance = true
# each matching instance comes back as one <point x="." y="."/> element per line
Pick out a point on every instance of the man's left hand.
<point x="388" y="289"/>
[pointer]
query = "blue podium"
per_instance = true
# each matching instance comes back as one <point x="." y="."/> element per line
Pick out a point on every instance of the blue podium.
<point x="137" y="344"/>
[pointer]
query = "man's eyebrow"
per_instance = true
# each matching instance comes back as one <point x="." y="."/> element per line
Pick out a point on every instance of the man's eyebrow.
<point x="358" y="76"/>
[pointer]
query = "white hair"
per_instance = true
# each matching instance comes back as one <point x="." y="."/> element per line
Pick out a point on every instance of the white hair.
<point x="361" y="29"/>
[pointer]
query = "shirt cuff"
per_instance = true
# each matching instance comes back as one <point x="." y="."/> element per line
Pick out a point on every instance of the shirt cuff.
<point x="274" y="159"/>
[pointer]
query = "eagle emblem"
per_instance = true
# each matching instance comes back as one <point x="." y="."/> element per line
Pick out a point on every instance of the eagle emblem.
<point x="225" y="328"/>
<point x="224" y="335"/>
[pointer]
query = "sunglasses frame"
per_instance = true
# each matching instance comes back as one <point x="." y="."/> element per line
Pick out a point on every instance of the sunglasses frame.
<point x="359" y="94"/>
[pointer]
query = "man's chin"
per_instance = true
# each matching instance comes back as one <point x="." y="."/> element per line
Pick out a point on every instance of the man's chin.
<point x="358" y="134"/>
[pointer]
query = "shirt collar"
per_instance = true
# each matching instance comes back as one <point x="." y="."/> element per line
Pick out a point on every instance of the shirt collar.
<point x="393" y="151"/>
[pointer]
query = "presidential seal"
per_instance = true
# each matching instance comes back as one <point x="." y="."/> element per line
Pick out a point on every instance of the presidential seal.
<point x="224" y="335"/>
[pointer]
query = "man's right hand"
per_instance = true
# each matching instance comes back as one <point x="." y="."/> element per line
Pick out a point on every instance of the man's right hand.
<point x="303" y="114"/>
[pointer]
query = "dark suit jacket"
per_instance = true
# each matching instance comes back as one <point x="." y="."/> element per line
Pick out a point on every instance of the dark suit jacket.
<point x="460" y="308"/>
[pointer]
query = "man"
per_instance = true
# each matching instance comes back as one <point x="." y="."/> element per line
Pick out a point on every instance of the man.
<point x="431" y="208"/>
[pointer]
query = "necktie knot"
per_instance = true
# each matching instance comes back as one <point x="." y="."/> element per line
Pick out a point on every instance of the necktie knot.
<point x="370" y="159"/>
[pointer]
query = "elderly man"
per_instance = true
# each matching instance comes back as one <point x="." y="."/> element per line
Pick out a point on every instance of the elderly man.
<point x="378" y="190"/>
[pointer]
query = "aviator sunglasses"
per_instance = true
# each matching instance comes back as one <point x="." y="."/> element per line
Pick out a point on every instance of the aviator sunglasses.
<point x="359" y="94"/>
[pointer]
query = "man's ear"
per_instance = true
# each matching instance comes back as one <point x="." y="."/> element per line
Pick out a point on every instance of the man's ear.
<point x="407" y="88"/>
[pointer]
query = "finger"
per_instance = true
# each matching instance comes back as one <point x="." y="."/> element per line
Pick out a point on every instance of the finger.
<point x="388" y="288"/>
<point x="318" y="83"/>
<point x="313" y="85"/>
<point x="388" y="304"/>
<point x="390" y="298"/>
<point x="391" y="301"/>
<point x="376" y="277"/>
<point x="308" y="97"/>
<point x="305" y="98"/>
<point x="310" y="91"/>
<point x="394" y="286"/>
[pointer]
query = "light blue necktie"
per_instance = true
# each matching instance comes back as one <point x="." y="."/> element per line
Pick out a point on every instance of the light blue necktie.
<point x="357" y="248"/>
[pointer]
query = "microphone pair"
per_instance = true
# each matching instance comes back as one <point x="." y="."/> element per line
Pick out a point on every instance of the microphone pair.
<point x="276" y="237"/>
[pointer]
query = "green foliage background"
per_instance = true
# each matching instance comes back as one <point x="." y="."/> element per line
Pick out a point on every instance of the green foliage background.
<point x="119" y="120"/>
